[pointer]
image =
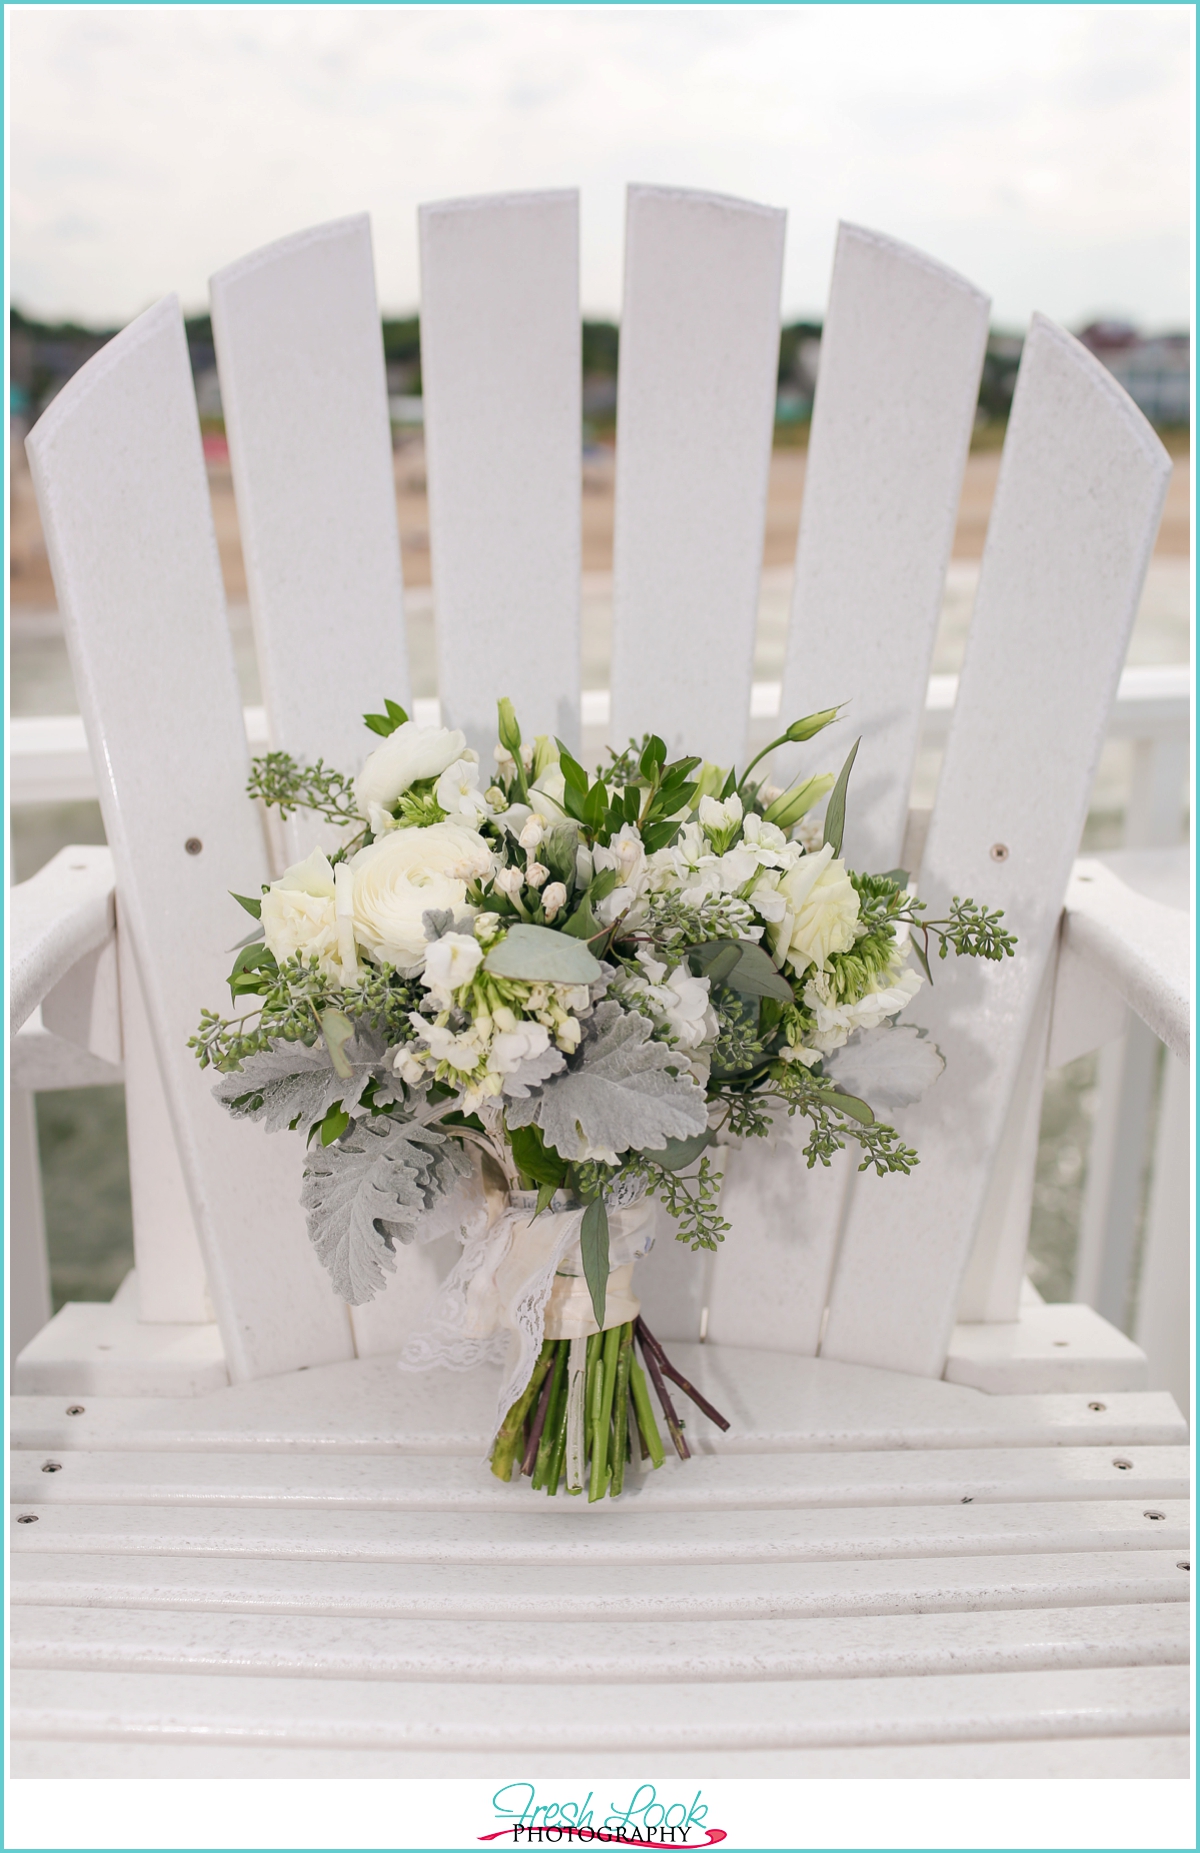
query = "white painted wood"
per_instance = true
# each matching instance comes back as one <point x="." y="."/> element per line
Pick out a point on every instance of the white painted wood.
<point x="900" y="361"/>
<point x="500" y="372"/>
<point x="93" y="1348"/>
<point x="172" y="1287"/>
<point x="1086" y="1012"/>
<point x="1076" y="509"/>
<point x="1081" y="1758"/>
<point x="1055" y="1347"/>
<point x="29" y="1303"/>
<point x="695" y="414"/>
<point x="1164" y="1299"/>
<point x="948" y="1476"/>
<point x="901" y="355"/>
<point x="580" y="1653"/>
<point x="1157" y="794"/>
<point x="776" y="1713"/>
<point x="42" y="1063"/>
<point x="84" y="1007"/>
<point x="1112" y="1202"/>
<point x="602" y="1592"/>
<point x="119" y="474"/>
<point x="60" y="916"/>
<point x="777" y="1404"/>
<point x="1141" y="947"/>
<point x="300" y="355"/>
<point x="991" y="1289"/>
<point x="567" y="1532"/>
<point x="49" y="761"/>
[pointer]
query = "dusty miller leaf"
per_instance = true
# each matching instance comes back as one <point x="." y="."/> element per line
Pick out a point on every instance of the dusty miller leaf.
<point x="367" y="1191"/>
<point x="617" y="1095"/>
<point x="534" y="1071"/>
<point x="292" y="1084"/>
<point x="889" y="1066"/>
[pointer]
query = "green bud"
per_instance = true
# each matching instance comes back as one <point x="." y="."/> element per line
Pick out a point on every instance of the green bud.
<point x="710" y="781"/>
<point x="791" y="805"/>
<point x="545" y="753"/>
<point x="810" y="725"/>
<point x="509" y="731"/>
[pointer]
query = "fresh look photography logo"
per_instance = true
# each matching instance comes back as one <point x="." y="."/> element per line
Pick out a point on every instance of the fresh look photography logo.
<point x="647" y="1820"/>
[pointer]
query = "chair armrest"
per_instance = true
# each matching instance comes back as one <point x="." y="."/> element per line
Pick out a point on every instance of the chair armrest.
<point x="63" y="913"/>
<point x="1139" y="946"/>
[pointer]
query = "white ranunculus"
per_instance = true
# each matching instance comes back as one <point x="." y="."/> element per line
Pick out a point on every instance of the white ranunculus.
<point x="299" y="914"/>
<point x="820" y="914"/>
<point x="458" y="793"/>
<point x="407" y="874"/>
<point x="409" y="754"/>
<point x="451" y="962"/>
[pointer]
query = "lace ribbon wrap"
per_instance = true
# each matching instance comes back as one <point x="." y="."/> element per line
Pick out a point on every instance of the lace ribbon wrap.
<point x="492" y="1307"/>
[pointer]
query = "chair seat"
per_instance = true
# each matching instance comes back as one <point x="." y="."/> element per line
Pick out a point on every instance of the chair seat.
<point x="872" y="1573"/>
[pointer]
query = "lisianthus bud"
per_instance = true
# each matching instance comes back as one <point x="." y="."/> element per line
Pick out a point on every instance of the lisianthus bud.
<point x="790" y="808"/>
<point x="509" y="731"/>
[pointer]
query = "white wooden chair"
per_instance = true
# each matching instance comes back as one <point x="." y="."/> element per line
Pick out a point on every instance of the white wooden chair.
<point x="946" y="1533"/>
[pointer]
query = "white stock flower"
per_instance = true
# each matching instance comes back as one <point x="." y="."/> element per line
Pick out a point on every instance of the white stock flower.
<point x="554" y="899"/>
<point x="836" y="1021"/>
<point x="767" y="841"/>
<point x="626" y="854"/>
<point x="407" y="874"/>
<point x="511" y="1047"/>
<point x="458" y="793"/>
<point x="688" y="1013"/>
<point x="407" y="1066"/>
<point x="461" y="1051"/>
<point x="409" y="754"/>
<point x="820" y="913"/>
<point x="299" y="914"/>
<point x="536" y="873"/>
<point x="451" y="962"/>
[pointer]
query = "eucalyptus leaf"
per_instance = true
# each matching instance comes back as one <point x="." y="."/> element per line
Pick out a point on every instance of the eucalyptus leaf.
<point x="678" y="1154"/>
<point x="757" y="975"/>
<point x="593" y="1248"/>
<point x="856" y="1109"/>
<point x="835" y="810"/>
<point x="338" y="1030"/>
<point x="539" y="955"/>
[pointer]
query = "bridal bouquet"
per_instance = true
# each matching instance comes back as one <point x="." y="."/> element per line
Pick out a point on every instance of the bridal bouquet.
<point x="521" y="1006"/>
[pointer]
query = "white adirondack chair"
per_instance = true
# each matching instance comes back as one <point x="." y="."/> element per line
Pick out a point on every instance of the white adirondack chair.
<point x="946" y="1533"/>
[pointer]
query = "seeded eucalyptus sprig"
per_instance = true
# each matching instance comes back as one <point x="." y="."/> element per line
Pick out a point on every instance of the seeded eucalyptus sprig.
<point x="285" y="784"/>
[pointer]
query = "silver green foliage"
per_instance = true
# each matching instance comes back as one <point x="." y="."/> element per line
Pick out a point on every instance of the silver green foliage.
<point x="368" y="1190"/>
<point x="291" y="1084"/>
<point x="892" y="1066"/>
<point x="618" y="1094"/>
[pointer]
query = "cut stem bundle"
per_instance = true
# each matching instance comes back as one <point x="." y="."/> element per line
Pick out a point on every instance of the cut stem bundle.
<point x="585" y="1406"/>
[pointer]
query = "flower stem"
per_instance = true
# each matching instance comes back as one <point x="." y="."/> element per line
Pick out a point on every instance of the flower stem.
<point x="543" y="1371"/>
<point x="576" y="1413"/>
<point x="621" y="1410"/>
<point x="674" y="1427"/>
<point x="509" y="1435"/>
<point x="644" y="1410"/>
<point x="549" y="1430"/>
<point x="608" y="1380"/>
<point x="647" y="1337"/>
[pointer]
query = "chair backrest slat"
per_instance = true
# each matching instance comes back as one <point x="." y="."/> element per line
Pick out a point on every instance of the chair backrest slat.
<point x="695" y="412"/>
<point x="1077" y="506"/>
<point x="500" y="369"/>
<point x="901" y="354"/>
<point x="119" y="473"/>
<point x="300" y="355"/>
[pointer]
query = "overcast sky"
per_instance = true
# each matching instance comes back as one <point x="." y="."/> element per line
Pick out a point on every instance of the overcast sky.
<point x="1045" y="151"/>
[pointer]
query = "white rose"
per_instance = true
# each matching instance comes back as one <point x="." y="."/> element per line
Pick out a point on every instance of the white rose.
<point x="458" y="793"/>
<point x="451" y="962"/>
<point x="299" y="914"/>
<point x="820" y="914"/>
<point x="409" y="754"/>
<point x="405" y="875"/>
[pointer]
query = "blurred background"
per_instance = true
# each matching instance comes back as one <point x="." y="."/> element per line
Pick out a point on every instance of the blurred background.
<point x="1046" y="152"/>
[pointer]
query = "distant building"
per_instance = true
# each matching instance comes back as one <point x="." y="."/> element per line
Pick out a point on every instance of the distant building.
<point x="1155" y="370"/>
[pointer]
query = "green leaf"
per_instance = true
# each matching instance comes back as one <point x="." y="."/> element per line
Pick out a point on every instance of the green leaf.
<point x="540" y="955"/>
<point x="856" y="1109"/>
<point x="253" y="970"/>
<point x="387" y="723"/>
<point x="337" y="1030"/>
<point x="922" y="957"/>
<point x="545" y="1197"/>
<point x="573" y="773"/>
<point x="334" y="1124"/>
<point x="835" y="814"/>
<point x="593" y="1246"/>
<point x="742" y="966"/>
<point x="583" y="923"/>
<point x="715" y="959"/>
<point x="252" y="907"/>
<point x="659" y="835"/>
<point x="654" y="755"/>
<point x="678" y="1154"/>
<point x="535" y="1158"/>
<point x="901" y="877"/>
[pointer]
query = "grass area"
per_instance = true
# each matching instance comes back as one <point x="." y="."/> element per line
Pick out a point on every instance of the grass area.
<point x="85" y="1185"/>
